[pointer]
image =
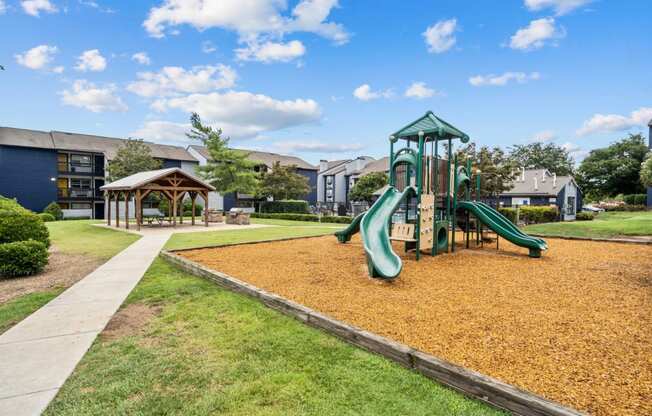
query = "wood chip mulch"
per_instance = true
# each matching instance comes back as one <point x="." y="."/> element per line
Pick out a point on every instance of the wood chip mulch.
<point x="574" y="326"/>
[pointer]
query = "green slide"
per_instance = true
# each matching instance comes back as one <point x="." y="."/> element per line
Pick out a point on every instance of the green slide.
<point x="381" y="259"/>
<point x="345" y="235"/>
<point x="504" y="227"/>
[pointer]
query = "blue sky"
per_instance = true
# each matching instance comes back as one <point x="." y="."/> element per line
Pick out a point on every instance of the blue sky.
<point x="327" y="78"/>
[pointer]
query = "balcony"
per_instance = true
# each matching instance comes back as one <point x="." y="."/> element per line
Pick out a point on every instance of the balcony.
<point x="79" y="193"/>
<point x="77" y="168"/>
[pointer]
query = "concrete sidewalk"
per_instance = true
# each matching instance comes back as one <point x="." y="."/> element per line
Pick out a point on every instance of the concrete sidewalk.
<point x="39" y="353"/>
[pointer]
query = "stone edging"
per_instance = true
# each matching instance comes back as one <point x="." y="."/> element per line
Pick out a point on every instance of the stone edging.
<point x="470" y="383"/>
<point x="602" y="240"/>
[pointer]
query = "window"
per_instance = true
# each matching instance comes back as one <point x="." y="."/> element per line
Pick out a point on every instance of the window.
<point x="81" y="164"/>
<point x="62" y="162"/>
<point x="329" y="180"/>
<point x="570" y="205"/>
<point x="78" y="183"/>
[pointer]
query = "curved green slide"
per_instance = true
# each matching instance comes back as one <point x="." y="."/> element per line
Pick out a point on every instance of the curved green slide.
<point x="504" y="227"/>
<point x="382" y="262"/>
<point x="345" y="235"/>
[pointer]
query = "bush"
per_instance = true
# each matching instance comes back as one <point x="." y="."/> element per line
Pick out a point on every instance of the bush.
<point x="55" y="210"/>
<point x="302" y="217"/>
<point x="21" y="226"/>
<point x="46" y="217"/>
<point x="8" y="204"/>
<point x="510" y="213"/>
<point x="635" y="199"/>
<point x="584" y="216"/>
<point x="22" y="258"/>
<point x="286" y="206"/>
<point x="538" y="214"/>
<point x="629" y="208"/>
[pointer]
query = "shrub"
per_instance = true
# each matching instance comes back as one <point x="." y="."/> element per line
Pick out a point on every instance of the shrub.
<point x="21" y="226"/>
<point x="22" y="258"/>
<point x="629" y="208"/>
<point x="46" y="217"/>
<point x="187" y="208"/>
<point x="538" y="214"/>
<point x="510" y="213"/>
<point x="584" y="216"/>
<point x="8" y="204"/>
<point x="635" y="199"/>
<point x="285" y="206"/>
<point x="302" y="217"/>
<point x="55" y="210"/>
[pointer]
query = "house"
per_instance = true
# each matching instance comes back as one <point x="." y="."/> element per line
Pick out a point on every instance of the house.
<point x="264" y="161"/>
<point x="336" y="178"/>
<point x="40" y="167"/>
<point x="540" y="187"/>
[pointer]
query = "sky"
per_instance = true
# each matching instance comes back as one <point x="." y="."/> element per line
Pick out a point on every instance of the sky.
<point x="329" y="79"/>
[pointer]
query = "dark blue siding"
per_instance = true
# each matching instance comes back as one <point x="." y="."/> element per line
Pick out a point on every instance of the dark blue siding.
<point x="169" y="163"/>
<point x="312" y="180"/>
<point x="561" y="196"/>
<point x="229" y="201"/>
<point x="25" y="174"/>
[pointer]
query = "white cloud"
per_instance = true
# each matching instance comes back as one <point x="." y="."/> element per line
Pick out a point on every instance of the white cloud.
<point x="248" y="18"/>
<point x="536" y="34"/>
<point x="87" y="95"/>
<point x="575" y="151"/>
<point x="271" y="51"/>
<point x="503" y="79"/>
<point x="208" y="47"/>
<point x="440" y="37"/>
<point x="58" y="69"/>
<point x="419" y="90"/>
<point x="91" y="60"/>
<point x="601" y="123"/>
<point x="315" y="146"/>
<point x="243" y="114"/>
<point x="35" y="7"/>
<point x="544" y="136"/>
<point x="173" y="80"/>
<point x="96" y="5"/>
<point x="3" y="7"/>
<point x="142" y="58"/>
<point x="38" y="57"/>
<point x="162" y="131"/>
<point x="365" y="93"/>
<point x="560" y="7"/>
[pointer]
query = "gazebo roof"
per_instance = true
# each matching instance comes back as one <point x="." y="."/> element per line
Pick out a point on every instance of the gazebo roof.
<point x="430" y="124"/>
<point x="141" y="179"/>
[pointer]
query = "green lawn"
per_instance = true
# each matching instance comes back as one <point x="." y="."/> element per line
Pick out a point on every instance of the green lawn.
<point x="17" y="309"/>
<point x="296" y="223"/>
<point x="211" y="351"/>
<point x="606" y="224"/>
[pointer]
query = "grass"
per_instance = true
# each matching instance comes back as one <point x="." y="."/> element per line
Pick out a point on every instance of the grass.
<point x="290" y="223"/>
<point x="211" y="351"/>
<point x="81" y="237"/>
<point x="605" y="224"/>
<point x="17" y="309"/>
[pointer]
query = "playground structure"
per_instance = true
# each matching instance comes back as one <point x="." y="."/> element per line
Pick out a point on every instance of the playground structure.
<point x="421" y="206"/>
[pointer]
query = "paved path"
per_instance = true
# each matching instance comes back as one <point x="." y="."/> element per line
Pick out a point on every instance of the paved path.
<point x="39" y="354"/>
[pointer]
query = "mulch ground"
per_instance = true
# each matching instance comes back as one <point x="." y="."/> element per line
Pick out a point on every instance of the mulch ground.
<point x="574" y="326"/>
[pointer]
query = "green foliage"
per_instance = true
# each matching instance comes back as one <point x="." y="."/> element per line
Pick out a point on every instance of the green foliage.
<point x="625" y="208"/>
<point x="365" y="187"/>
<point x="133" y="156"/>
<point x="283" y="183"/>
<point x="646" y="171"/>
<point x="187" y="208"/>
<point x="635" y="199"/>
<point x="46" y="217"/>
<point x="584" y="216"/>
<point x="532" y="214"/>
<point x="21" y="226"/>
<point x="497" y="170"/>
<point x="542" y="156"/>
<point x="55" y="210"/>
<point x="22" y="258"/>
<point x="614" y="169"/>
<point x="227" y="170"/>
<point x="291" y="206"/>
<point x="9" y="204"/>
<point x="303" y="217"/>
<point x="510" y="213"/>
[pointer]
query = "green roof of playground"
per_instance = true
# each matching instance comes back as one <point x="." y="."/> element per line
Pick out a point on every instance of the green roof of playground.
<point x="430" y="124"/>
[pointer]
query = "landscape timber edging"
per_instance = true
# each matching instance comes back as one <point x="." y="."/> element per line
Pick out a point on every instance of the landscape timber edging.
<point x="596" y="239"/>
<point x="471" y="383"/>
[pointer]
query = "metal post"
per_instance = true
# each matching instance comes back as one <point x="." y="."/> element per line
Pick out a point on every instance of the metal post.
<point x="478" y="232"/>
<point x="454" y="208"/>
<point x="419" y="183"/>
<point x="391" y="161"/>
<point x="448" y="187"/>
<point x="436" y="157"/>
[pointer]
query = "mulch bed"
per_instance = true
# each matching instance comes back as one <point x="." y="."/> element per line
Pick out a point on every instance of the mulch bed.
<point x="573" y="326"/>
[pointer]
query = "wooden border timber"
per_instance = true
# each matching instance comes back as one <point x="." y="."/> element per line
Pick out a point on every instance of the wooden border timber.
<point x="471" y="383"/>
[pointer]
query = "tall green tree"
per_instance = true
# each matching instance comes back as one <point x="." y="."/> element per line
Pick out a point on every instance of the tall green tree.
<point x="227" y="170"/>
<point x="498" y="171"/>
<point x="613" y="170"/>
<point x="283" y="182"/>
<point x="646" y="171"/>
<point x="542" y="156"/>
<point x="365" y="187"/>
<point x="132" y="157"/>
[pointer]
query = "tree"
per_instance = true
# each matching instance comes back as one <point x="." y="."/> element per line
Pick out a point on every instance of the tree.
<point x="282" y="182"/>
<point x="227" y="170"/>
<point x="497" y="170"/>
<point x="365" y="187"/>
<point x="614" y="169"/>
<point x="132" y="157"/>
<point x="646" y="171"/>
<point x="542" y="156"/>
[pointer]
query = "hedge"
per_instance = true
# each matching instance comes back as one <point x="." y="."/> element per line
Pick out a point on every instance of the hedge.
<point x="531" y="214"/>
<point x="22" y="258"/>
<point x="584" y="216"/>
<point x="21" y="226"/>
<point x="55" y="210"/>
<point x="302" y="217"/>
<point x="510" y="213"/>
<point x="625" y="208"/>
<point x="285" y="206"/>
<point x="46" y="217"/>
<point x="8" y="204"/>
<point x="635" y="199"/>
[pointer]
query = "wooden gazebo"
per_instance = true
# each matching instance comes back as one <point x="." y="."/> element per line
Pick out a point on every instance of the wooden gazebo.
<point x="171" y="183"/>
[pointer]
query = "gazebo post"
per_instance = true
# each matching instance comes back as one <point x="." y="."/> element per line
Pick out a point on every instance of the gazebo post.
<point x="174" y="208"/>
<point x="204" y="195"/>
<point x="138" y="209"/>
<point x="108" y="208"/>
<point x="193" y="197"/>
<point x="127" y="210"/>
<point x="117" y="209"/>
<point x="181" y="207"/>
